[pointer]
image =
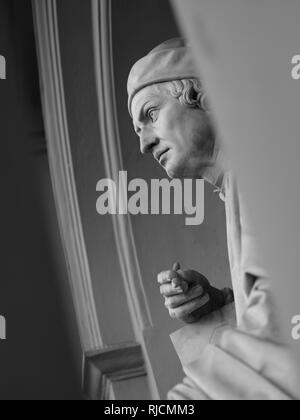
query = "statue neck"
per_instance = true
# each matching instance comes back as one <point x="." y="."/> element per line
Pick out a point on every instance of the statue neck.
<point x="214" y="175"/>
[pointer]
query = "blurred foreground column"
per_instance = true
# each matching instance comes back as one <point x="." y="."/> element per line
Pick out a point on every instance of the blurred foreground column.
<point x="244" y="51"/>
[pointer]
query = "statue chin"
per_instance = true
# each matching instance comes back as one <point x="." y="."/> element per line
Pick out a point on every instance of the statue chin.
<point x="175" y="169"/>
<point x="180" y="169"/>
<point x="179" y="172"/>
<point x="172" y="172"/>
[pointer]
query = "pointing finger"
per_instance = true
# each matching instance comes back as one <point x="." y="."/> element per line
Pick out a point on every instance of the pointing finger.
<point x="183" y="312"/>
<point x="175" y="301"/>
<point x="168" y="290"/>
<point x="179" y="284"/>
<point x="176" y="266"/>
<point x="167" y="276"/>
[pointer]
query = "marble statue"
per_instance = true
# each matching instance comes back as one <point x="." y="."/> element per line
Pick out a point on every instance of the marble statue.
<point x="231" y="347"/>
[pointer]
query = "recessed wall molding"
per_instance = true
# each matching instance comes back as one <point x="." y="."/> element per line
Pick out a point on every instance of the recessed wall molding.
<point x="103" y="369"/>
<point x="82" y="136"/>
<point x="62" y="171"/>
<point x="111" y="144"/>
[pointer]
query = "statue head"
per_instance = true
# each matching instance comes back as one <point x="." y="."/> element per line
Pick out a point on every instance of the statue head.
<point x="170" y="115"/>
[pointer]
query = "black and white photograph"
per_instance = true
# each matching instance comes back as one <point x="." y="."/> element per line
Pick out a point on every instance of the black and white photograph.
<point x="150" y="202"/>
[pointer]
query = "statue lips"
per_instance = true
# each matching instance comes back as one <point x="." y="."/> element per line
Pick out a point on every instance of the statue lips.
<point x="161" y="157"/>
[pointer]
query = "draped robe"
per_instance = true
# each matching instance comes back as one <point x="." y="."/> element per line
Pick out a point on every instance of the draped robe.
<point x="237" y="353"/>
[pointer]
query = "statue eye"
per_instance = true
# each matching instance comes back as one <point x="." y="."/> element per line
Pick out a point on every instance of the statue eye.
<point x="152" y="114"/>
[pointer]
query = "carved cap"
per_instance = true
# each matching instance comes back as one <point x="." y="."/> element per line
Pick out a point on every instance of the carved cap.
<point x="171" y="60"/>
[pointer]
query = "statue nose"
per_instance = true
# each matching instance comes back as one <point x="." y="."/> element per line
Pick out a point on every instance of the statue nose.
<point x="147" y="143"/>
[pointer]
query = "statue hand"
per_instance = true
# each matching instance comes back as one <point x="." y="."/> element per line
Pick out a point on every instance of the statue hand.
<point x="189" y="295"/>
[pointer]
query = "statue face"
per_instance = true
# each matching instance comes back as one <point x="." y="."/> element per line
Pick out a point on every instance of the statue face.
<point x="181" y="139"/>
